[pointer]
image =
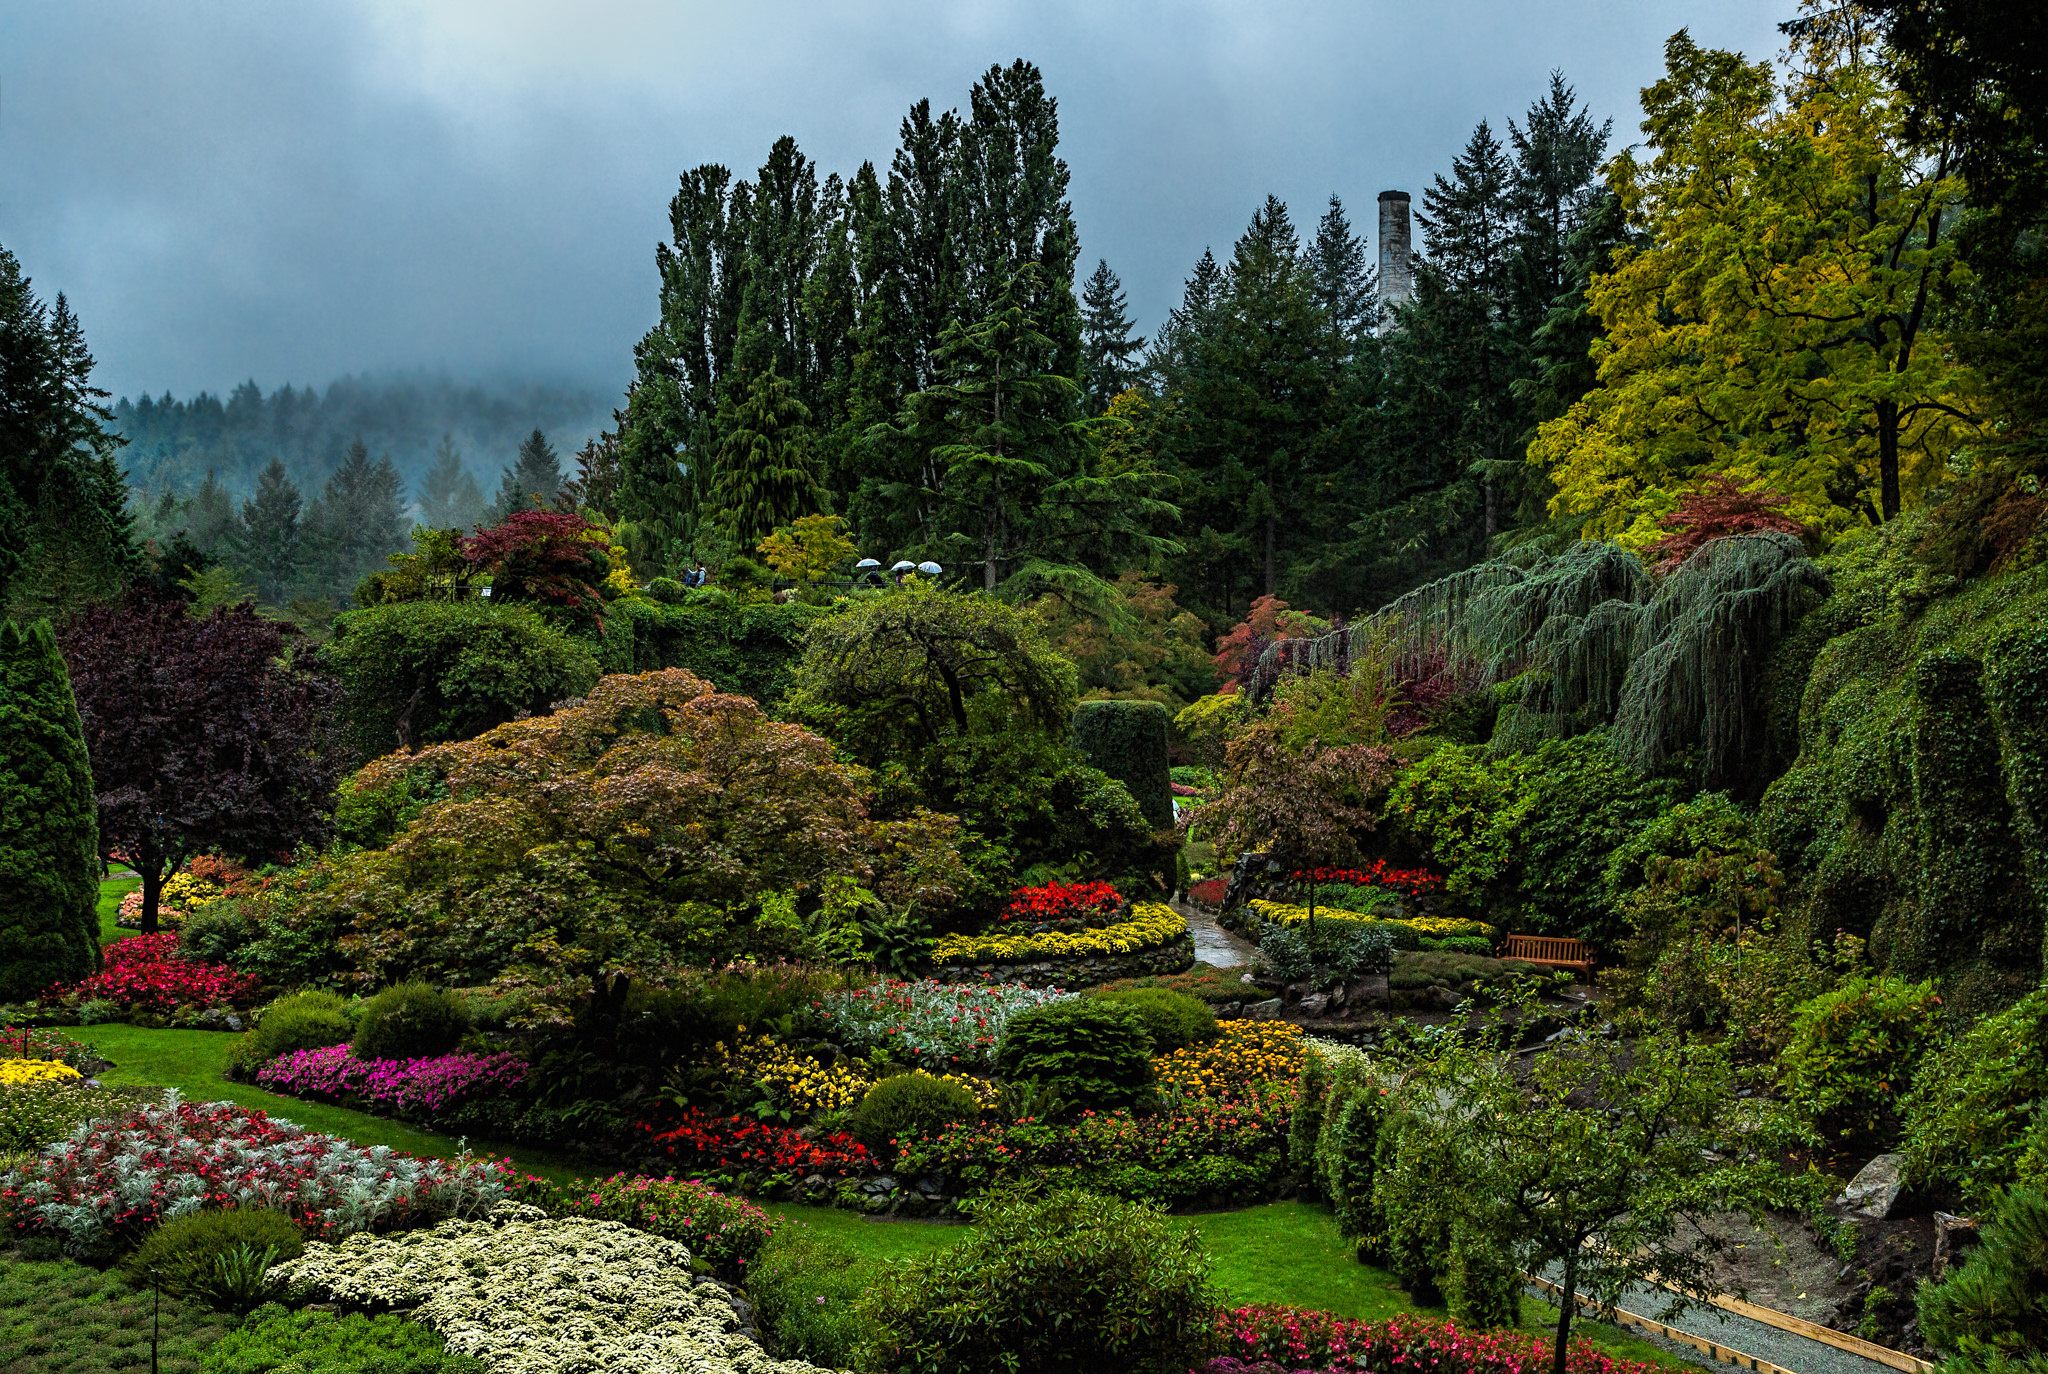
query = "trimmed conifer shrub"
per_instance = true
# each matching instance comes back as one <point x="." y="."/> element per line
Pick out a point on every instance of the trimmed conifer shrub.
<point x="1127" y="740"/>
<point x="49" y="833"/>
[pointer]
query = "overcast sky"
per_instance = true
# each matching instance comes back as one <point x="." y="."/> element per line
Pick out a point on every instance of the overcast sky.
<point x="295" y="191"/>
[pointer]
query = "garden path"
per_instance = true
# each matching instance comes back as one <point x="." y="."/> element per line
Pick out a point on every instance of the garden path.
<point x="1215" y="946"/>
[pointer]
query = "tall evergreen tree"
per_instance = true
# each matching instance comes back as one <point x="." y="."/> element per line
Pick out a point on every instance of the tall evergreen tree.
<point x="356" y="522"/>
<point x="1341" y="277"/>
<point x="209" y="520"/>
<point x="49" y="837"/>
<point x="1108" y="347"/>
<point x="65" y="533"/>
<point x="766" y="472"/>
<point x="449" y="498"/>
<point x="595" y="487"/>
<point x="533" y="479"/>
<point x="269" y="535"/>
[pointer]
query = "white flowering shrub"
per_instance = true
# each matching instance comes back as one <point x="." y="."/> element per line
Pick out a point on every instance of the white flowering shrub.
<point x="529" y="1294"/>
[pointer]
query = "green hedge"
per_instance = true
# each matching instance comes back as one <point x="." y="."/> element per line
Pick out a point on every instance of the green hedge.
<point x="1127" y="740"/>
<point x="743" y="647"/>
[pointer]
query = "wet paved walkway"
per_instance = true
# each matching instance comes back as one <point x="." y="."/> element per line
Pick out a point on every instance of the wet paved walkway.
<point x="1214" y="945"/>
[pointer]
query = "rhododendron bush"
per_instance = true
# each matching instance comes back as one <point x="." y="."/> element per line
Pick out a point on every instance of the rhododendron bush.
<point x="928" y="1024"/>
<point x="1297" y="1339"/>
<point x="423" y="1088"/>
<point x="116" y="1177"/>
<point x="144" y="973"/>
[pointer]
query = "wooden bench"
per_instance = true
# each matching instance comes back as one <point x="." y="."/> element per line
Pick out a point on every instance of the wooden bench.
<point x="1552" y="951"/>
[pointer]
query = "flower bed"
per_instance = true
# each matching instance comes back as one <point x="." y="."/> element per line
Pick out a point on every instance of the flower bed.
<point x="38" y="1042"/>
<point x="118" y="1176"/>
<point x="740" y="1147"/>
<point x="1062" y="906"/>
<point x="144" y="973"/>
<point x="1151" y="924"/>
<point x="1245" y="1057"/>
<point x="793" y="1083"/>
<point x="722" y="1231"/>
<point x="526" y="1293"/>
<point x="1410" y="882"/>
<point x="929" y="1024"/>
<point x="423" y="1088"/>
<point x="1209" y="891"/>
<point x="1418" y="927"/>
<point x="17" y="1073"/>
<point x="1200" y="1152"/>
<point x="1299" y="1339"/>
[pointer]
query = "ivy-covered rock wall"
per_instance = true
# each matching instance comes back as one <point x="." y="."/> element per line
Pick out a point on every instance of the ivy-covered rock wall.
<point x="1913" y="812"/>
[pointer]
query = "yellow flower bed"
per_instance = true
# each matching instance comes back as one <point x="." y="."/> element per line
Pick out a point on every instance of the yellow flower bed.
<point x="15" y="1073"/>
<point x="987" y="1095"/>
<point x="1151" y="923"/>
<point x="1246" y="1056"/>
<point x="801" y="1081"/>
<point x="1433" y="927"/>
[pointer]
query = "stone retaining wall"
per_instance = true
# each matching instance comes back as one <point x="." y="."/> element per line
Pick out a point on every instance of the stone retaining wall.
<point x="1078" y="970"/>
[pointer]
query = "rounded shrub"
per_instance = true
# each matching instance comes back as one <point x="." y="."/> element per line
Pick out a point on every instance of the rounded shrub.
<point x="911" y="1106"/>
<point x="221" y="1258"/>
<point x="1172" y="1020"/>
<point x="1058" y="1284"/>
<point x="297" y="1021"/>
<point x="1083" y="1052"/>
<point x="1852" y="1053"/>
<point x="409" y="1020"/>
<point x="806" y="1293"/>
<point x="666" y="590"/>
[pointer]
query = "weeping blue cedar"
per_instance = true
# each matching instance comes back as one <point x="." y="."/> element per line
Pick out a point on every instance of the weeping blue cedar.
<point x="1674" y="665"/>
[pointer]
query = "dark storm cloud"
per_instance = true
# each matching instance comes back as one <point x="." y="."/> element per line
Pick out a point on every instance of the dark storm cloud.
<point x="291" y="192"/>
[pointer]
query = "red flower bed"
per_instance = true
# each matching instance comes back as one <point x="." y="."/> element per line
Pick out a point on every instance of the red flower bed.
<point x="1298" y="1338"/>
<point x="144" y="973"/>
<point x="742" y="1145"/>
<point x="1209" y="891"/>
<point x="1415" y="882"/>
<point x="1056" y="905"/>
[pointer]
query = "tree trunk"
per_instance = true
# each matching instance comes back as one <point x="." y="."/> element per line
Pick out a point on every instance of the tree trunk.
<point x="1888" y="459"/>
<point x="1567" y="1304"/>
<point x="151" y="869"/>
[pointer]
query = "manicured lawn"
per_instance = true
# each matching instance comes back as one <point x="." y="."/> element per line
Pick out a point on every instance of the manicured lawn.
<point x="1278" y="1252"/>
<point x="112" y="890"/>
<point x="62" y="1317"/>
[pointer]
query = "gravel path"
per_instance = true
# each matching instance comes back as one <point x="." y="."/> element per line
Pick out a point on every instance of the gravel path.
<point x="1795" y="1353"/>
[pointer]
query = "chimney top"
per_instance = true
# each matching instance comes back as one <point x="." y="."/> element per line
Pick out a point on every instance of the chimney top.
<point x="1393" y="195"/>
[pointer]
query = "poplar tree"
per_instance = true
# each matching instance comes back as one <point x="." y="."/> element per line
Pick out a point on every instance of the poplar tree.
<point x="49" y="839"/>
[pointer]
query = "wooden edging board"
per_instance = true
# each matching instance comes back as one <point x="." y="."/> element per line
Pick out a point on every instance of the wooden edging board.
<point x="1713" y="1350"/>
<point x="1814" y="1331"/>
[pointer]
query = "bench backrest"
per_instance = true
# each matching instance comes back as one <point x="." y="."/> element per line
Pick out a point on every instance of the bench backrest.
<point x="1562" y="947"/>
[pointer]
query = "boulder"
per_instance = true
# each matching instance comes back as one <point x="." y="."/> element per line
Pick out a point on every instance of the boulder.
<point x="1268" y="1010"/>
<point x="1875" y="1190"/>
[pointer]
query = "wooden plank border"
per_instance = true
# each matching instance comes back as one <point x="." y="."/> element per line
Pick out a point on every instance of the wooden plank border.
<point x="1713" y="1350"/>
<point x="1814" y="1331"/>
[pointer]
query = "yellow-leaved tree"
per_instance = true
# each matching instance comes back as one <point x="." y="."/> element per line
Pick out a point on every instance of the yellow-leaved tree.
<point x="1771" y="320"/>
